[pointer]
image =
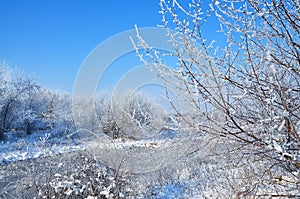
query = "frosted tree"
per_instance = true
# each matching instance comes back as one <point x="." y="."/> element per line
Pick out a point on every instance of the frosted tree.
<point x="18" y="108"/>
<point x="4" y="87"/>
<point x="28" y="108"/>
<point x="242" y="88"/>
<point x="133" y="115"/>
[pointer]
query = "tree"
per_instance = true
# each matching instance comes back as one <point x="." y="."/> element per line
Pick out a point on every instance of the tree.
<point x="130" y="115"/>
<point x="15" y="87"/>
<point x="4" y="83"/>
<point x="28" y="109"/>
<point x="245" y="91"/>
<point x="57" y="111"/>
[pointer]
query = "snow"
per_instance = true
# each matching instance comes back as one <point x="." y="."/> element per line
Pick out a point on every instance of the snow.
<point x="42" y="144"/>
<point x="277" y="147"/>
<point x="36" y="145"/>
<point x="140" y="143"/>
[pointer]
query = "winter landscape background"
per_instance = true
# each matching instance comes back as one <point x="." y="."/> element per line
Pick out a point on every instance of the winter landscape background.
<point x="224" y="124"/>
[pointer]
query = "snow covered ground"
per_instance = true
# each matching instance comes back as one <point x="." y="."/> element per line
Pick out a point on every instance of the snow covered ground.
<point x="36" y="145"/>
<point x="42" y="144"/>
<point x="19" y="146"/>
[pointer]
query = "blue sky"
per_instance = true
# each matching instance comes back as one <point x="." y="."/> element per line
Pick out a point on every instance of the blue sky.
<point x="49" y="39"/>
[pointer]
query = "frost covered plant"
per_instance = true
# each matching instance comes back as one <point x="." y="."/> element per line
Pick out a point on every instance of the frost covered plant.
<point x="44" y="139"/>
<point x="129" y="115"/>
<point x="22" y="103"/>
<point x="73" y="176"/>
<point x="242" y="87"/>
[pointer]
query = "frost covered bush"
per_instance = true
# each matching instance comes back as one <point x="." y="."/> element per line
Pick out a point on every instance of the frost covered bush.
<point x="241" y="87"/>
<point x="126" y="115"/>
<point x="72" y="176"/>
<point x="26" y="107"/>
<point x="16" y="88"/>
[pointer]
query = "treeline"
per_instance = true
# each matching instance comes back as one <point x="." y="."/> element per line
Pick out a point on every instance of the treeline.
<point x="26" y="107"/>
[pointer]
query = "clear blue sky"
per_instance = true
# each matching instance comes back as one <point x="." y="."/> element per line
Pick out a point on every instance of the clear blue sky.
<point x="49" y="39"/>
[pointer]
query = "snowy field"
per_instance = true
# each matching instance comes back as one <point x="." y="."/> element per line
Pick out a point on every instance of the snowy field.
<point x="36" y="145"/>
<point x="42" y="144"/>
<point x="40" y="147"/>
<point x="50" y="163"/>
